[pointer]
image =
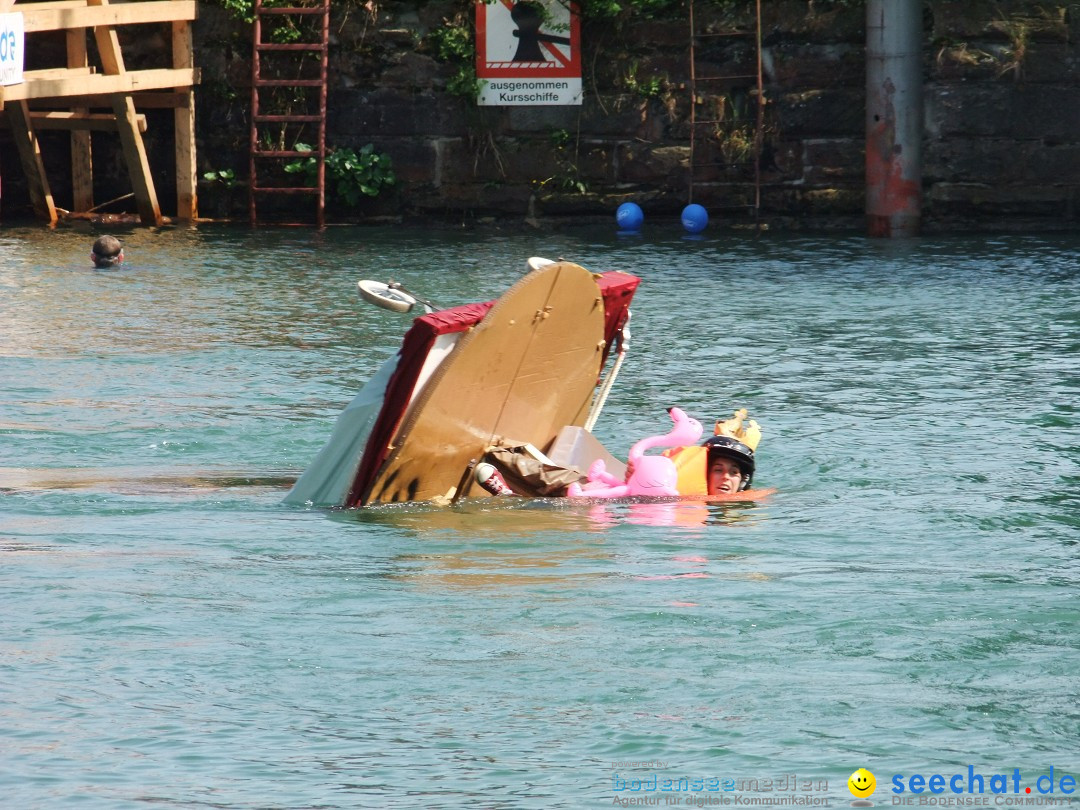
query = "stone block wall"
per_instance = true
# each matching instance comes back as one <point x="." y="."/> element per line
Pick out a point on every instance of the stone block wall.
<point x="1001" y="93"/>
<point x="1001" y="115"/>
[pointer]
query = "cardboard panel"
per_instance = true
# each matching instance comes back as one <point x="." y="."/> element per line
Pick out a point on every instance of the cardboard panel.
<point x="529" y="368"/>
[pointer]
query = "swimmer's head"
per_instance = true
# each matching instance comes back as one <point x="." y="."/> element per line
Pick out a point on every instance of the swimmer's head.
<point x="107" y="252"/>
<point x="727" y="449"/>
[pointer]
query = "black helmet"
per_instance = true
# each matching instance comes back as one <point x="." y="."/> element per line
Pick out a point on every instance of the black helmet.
<point x="738" y="452"/>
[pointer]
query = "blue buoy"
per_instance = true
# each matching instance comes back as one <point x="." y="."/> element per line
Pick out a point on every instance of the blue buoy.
<point x="629" y="216"/>
<point x="694" y="218"/>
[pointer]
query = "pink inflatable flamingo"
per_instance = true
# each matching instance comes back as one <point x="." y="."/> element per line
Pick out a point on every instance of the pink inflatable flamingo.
<point x="646" y="475"/>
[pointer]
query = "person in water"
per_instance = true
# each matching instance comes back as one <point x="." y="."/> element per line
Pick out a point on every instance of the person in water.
<point x="107" y="252"/>
<point x="730" y="465"/>
<point x="729" y="469"/>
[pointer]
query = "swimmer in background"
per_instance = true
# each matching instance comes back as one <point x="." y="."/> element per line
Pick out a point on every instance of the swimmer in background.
<point x="107" y="252"/>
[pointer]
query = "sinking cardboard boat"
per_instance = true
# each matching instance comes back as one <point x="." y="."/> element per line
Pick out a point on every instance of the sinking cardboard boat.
<point x="519" y="370"/>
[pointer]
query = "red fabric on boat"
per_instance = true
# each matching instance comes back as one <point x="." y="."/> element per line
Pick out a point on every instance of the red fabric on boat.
<point x="617" y="289"/>
<point x="447" y="321"/>
<point x="414" y="351"/>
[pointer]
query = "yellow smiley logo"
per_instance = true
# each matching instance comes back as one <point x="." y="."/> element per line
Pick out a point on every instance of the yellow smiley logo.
<point x="861" y="783"/>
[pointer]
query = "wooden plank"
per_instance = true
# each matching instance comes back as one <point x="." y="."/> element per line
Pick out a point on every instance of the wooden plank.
<point x="75" y="121"/>
<point x="529" y="368"/>
<point x="151" y="100"/>
<point x="48" y="74"/>
<point x="26" y="141"/>
<point x="60" y="16"/>
<point x="187" y="205"/>
<point x="112" y="61"/>
<point x="59" y="4"/>
<point x="82" y="164"/>
<point x="159" y="79"/>
<point x="138" y="166"/>
<point x="112" y="89"/>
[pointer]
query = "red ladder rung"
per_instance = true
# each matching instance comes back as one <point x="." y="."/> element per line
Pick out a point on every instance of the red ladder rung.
<point x="287" y="119"/>
<point x="280" y="11"/>
<point x="267" y="50"/>
<point x="278" y="153"/>
<point x="288" y="83"/>
<point x="726" y="78"/>
<point x="290" y="46"/>
<point x="284" y="190"/>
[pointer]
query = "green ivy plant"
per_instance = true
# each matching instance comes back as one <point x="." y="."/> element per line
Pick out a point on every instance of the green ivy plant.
<point x="351" y="175"/>
<point x="239" y="9"/>
<point x="280" y="30"/>
<point x="642" y="9"/>
<point x="569" y="179"/>
<point x="223" y="177"/>
<point x="646" y="87"/>
<point x="454" y="44"/>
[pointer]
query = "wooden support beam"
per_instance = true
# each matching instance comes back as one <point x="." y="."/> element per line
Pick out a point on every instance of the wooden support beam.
<point x="54" y="4"/>
<point x="78" y="14"/>
<point x="1" y="106"/>
<point x="112" y="61"/>
<point x="108" y="43"/>
<point x="114" y="88"/>
<point x="75" y="122"/>
<point x="82" y="164"/>
<point x="150" y="100"/>
<point x="138" y="165"/>
<point x="26" y="141"/>
<point x="51" y="74"/>
<point x="52" y="85"/>
<point x="187" y="204"/>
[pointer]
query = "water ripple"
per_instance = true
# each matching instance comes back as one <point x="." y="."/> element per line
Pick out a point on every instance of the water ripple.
<point x="174" y="635"/>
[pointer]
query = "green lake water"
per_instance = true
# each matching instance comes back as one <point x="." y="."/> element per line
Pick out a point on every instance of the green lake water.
<point x="174" y="636"/>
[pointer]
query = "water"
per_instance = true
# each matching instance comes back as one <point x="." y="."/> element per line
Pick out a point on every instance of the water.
<point x="173" y="635"/>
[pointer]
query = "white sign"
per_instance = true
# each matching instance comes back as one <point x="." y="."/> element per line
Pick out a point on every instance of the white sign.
<point x="11" y="48"/>
<point x="528" y="52"/>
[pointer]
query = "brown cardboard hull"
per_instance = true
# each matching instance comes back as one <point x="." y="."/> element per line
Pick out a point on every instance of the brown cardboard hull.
<point x="526" y="370"/>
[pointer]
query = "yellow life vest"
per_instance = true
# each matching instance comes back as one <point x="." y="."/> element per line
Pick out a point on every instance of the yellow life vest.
<point x="692" y="463"/>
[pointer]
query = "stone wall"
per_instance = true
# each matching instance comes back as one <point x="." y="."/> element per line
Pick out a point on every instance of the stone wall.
<point x="1001" y="149"/>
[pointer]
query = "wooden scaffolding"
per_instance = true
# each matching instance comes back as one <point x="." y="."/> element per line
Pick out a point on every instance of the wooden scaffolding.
<point x="65" y="98"/>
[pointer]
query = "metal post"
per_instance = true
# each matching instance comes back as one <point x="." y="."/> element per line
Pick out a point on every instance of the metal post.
<point x="893" y="117"/>
<point x="253" y="141"/>
<point x="759" y="124"/>
<point x="324" y="39"/>
<point x="693" y="104"/>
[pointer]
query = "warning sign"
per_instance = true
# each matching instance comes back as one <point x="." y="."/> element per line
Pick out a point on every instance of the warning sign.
<point x="528" y="52"/>
<point x="11" y="48"/>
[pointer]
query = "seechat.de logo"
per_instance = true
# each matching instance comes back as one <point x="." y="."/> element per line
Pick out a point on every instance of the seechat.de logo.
<point x="862" y="785"/>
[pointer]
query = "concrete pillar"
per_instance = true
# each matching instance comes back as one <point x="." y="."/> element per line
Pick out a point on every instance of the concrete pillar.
<point x="893" y="117"/>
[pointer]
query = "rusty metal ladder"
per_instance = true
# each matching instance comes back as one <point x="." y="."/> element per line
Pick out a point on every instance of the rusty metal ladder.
<point x="752" y="79"/>
<point x="270" y="61"/>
